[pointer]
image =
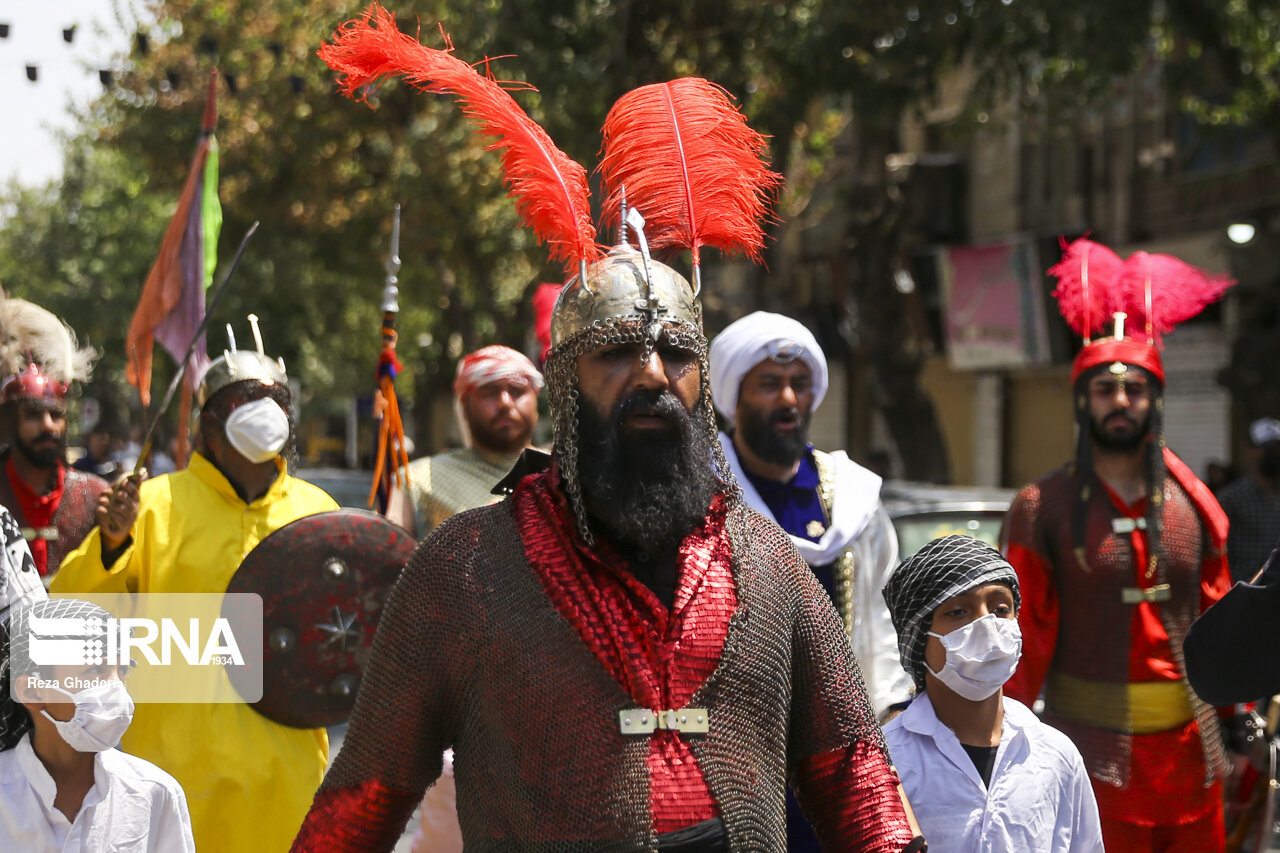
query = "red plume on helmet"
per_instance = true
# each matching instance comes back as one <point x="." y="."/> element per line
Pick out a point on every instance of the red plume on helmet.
<point x="550" y="190"/>
<point x="683" y="154"/>
<point x="1145" y="295"/>
<point x="1088" y="291"/>
<point x="1162" y="291"/>
<point x="544" y="302"/>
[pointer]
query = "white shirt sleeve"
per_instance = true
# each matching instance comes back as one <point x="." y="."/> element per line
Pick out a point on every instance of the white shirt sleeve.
<point x="875" y="642"/>
<point x="171" y="822"/>
<point x="1086" y="826"/>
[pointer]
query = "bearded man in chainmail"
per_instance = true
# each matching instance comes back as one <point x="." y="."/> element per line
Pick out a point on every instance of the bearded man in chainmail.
<point x="53" y="502"/>
<point x="1116" y="556"/>
<point x="622" y="655"/>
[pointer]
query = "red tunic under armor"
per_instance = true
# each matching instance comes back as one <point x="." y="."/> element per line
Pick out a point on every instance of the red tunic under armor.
<point x="68" y="509"/>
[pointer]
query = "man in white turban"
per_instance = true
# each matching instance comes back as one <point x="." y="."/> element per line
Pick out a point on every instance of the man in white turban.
<point x="768" y="377"/>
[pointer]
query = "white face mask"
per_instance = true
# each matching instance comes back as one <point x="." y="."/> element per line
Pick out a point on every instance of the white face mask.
<point x="258" y="430"/>
<point x="981" y="656"/>
<point x="103" y="714"/>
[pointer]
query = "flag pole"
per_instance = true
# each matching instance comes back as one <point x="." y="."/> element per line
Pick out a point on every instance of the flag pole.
<point x="158" y="413"/>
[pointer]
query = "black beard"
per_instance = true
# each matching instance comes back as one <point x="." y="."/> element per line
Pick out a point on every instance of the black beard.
<point x="46" y="458"/>
<point x="776" y="448"/>
<point x="1118" y="443"/>
<point x="645" y="488"/>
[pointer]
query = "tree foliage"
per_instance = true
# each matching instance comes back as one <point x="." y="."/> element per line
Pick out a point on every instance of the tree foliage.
<point x="829" y="80"/>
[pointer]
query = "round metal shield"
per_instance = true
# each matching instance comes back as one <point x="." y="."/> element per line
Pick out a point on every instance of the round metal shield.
<point x="323" y="580"/>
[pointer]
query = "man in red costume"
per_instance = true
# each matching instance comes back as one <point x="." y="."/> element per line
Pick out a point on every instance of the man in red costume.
<point x="1116" y="555"/>
<point x="622" y="655"/>
<point x="52" y="502"/>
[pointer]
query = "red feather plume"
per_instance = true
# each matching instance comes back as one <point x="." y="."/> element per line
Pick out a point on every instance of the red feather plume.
<point x="1179" y="292"/>
<point x="544" y="303"/>
<point x="1088" y="305"/>
<point x="687" y="160"/>
<point x="550" y="190"/>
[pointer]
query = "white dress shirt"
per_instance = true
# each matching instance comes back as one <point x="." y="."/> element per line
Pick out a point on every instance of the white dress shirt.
<point x="1040" y="799"/>
<point x="133" y="807"/>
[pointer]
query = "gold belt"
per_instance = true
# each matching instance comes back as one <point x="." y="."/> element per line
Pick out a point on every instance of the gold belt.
<point x="1140" y="707"/>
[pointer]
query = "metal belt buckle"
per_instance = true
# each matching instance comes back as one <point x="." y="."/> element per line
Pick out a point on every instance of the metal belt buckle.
<point x="1128" y="525"/>
<point x="1155" y="594"/>
<point x="49" y="534"/>
<point x="642" y="721"/>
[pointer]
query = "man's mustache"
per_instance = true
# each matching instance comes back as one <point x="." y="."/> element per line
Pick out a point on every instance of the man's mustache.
<point x="1121" y="414"/>
<point x="779" y="415"/>
<point x="661" y="403"/>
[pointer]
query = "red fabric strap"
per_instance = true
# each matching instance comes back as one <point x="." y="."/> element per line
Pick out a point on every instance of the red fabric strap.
<point x="1215" y="519"/>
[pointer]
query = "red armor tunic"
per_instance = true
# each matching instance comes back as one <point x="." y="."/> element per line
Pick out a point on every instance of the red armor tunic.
<point x="1104" y="627"/>
<point x="68" y="509"/>
<point x="510" y="639"/>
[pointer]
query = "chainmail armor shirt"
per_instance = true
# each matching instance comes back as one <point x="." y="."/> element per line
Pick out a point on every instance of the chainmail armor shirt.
<point x="520" y="651"/>
<point x="1255" y="526"/>
<point x="1075" y="623"/>
<point x="448" y="483"/>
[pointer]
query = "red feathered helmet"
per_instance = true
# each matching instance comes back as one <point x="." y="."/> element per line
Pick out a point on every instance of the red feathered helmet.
<point x="1141" y="299"/>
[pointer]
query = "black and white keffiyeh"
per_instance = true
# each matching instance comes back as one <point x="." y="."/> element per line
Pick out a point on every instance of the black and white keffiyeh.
<point x="19" y="585"/>
<point x="940" y="570"/>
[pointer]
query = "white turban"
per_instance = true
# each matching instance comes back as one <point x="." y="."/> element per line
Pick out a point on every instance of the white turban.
<point x="755" y="338"/>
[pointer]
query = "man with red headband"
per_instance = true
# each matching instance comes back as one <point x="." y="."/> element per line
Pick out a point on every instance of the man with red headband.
<point x="1116" y="555"/>
<point x="496" y="403"/>
<point x="53" y="503"/>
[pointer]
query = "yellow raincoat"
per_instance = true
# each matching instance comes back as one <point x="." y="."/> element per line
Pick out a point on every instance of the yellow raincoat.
<point x="249" y="781"/>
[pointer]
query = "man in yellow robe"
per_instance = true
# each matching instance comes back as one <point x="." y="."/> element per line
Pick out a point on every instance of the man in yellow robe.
<point x="248" y="780"/>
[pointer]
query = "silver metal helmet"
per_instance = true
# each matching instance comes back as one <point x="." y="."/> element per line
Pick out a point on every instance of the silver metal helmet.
<point x="629" y="298"/>
<point x="239" y="365"/>
<point x="625" y="286"/>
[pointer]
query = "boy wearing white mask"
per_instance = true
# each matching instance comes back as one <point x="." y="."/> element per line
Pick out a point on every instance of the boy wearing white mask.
<point x="63" y="785"/>
<point x="981" y="771"/>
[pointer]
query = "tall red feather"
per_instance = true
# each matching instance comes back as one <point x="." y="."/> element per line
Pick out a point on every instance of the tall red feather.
<point x="550" y="190"/>
<point x="687" y="160"/>
<point x="1088" y="310"/>
<point x="544" y="303"/>
<point x="1179" y="291"/>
